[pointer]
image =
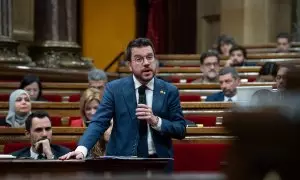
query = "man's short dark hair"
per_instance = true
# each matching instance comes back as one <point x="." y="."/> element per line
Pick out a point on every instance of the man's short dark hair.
<point x="139" y="42"/>
<point x="36" y="114"/>
<point x="238" y="48"/>
<point x="284" y="35"/>
<point x="207" y="54"/>
<point x="231" y="70"/>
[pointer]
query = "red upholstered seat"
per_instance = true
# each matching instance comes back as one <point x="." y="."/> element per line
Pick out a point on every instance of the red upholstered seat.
<point x="74" y="98"/>
<point x="53" y="98"/>
<point x="56" y="121"/>
<point x="189" y="97"/>
<point x="198" y="119"/>
<point x="12" y="147"/>
<point x="175" y="79"/>
<point x="4" y="97"/>
<point x="251" y="79"/>
<point x="199" y="157"/>
<point x="189" y="80"/>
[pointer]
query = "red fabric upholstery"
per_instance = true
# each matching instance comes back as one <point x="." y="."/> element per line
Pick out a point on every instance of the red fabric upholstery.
<point x="56" y="121"/>
<point x="189" y="97"/>
<point x="199" y="157"/>
<point x="251" y="79"/>
<point x="175" y="79"/>
<point x="4" y="97"/>
<point x="74" y="98"/>
<point x="189" y="80"/>
<point x="198" y="119"/>
<point x="12" y="147"/>
<point x="53" y="98"/>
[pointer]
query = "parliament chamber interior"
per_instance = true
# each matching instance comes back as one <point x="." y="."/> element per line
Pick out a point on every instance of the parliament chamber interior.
<point x="234" y="63"/>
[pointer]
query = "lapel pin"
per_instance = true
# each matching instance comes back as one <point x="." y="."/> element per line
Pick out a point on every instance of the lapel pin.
<point x="162" y="92"/>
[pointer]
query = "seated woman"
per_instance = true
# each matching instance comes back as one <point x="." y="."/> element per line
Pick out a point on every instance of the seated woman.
<point x="19" y="109"/>
<point x="224" y="44"/>
<point x="268" y="72"/>
<point x="89" y="103"/>
<point x="33" y="86"/>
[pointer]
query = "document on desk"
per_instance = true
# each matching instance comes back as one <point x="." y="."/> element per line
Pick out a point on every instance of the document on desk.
<point x="7" y="156"/>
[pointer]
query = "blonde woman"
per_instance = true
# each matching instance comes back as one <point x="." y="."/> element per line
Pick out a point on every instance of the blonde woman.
<point x="89" y="103"/>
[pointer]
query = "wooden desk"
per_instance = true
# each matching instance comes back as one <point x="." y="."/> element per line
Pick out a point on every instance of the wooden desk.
<point x="217" y="86"/>
<point x="82" y="168"/>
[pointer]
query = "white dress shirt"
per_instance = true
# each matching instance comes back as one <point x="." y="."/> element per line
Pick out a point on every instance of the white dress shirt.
<point x="233" y="98"/>
<point x="149" y="99"/>
<point x="34" y="155"/>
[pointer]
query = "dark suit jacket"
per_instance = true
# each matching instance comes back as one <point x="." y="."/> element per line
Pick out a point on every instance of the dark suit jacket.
<point x="57" y="151"/>
<point x="215" y="97"/>
<point x="119" y="102"/>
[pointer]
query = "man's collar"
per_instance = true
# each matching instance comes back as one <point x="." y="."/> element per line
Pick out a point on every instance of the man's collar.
<point x="137" y="84"/>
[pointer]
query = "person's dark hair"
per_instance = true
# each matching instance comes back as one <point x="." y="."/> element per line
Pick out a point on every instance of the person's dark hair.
<point x="238" y="48"/>
<point x="231" y="70"/>
<point x="207" y="54"/>
<point x="29" y="79"/>
<point x="269" y="68"/>
<point x="284" y="35"/>
<point x="139" y="42"/>
<point x="224" y="39"/>
<point x="36" y="114"/>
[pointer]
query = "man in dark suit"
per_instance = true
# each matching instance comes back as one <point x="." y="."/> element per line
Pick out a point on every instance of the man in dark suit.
<point x="146" y="111"/>
<point x="38" y="128"/>
<point x="229" y="81"/>
<point x="238" y="57"/>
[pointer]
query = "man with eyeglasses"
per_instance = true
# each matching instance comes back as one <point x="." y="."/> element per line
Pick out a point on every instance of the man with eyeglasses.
<point x="146" y="111"/>
<point x="209" y="66"/>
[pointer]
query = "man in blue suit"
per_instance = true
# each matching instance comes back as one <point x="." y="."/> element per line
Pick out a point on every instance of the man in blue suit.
<point x="229" y="81"/>
<point x="146" y="111"/>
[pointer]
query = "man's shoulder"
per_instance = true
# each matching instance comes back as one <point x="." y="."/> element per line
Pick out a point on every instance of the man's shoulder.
<point x="25" y="152"/>
<point x="169" y="86"/>
<point x="216" y="97"/>
<point x="119" y="82"/>
<point x="60" y="148"/>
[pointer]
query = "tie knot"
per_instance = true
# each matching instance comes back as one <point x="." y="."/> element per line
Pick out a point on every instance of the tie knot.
<point x="142" y="89"/>
<point x="229" y="99"/>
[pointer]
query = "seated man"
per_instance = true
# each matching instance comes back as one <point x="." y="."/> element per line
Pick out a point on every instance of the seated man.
<point x="97" y="79"/>
<point x="283" y="42"/>
<point x="38" y="128"/>
<point x="209" y="66"/>
<point x="237" y="57"/>
<point x="229" y="81"/>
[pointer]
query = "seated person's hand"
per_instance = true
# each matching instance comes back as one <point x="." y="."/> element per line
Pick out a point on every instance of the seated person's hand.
<point x="43" y="146"/>
<point x="72" y="155"/>
<point x="229" y="63"/>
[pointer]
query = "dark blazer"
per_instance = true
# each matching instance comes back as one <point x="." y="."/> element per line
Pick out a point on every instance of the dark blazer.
<point x="215" y="97"/>
<point x="57" y="151"/>
<point x="119" y="102"/>
<point x="4" y="123"/>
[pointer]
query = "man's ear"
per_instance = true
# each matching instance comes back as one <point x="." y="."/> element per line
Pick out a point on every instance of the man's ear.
<point x="128" y="64"/>
<point x="238" y="81"/>
<point x="27" y="133"/>
<point x="201" y="67"/>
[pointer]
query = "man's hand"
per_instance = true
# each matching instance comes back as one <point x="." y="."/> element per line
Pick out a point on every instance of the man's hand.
<point x="143" y="112"/>
<point x="229" y="63"/>
<point x="43" y="146"/>
<point x="72" y="155"/>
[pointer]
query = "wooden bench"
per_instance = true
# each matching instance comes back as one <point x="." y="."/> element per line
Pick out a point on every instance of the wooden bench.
<point x="206" y="147"/>
<point x="62" y="113"/>
<point x="192" y="69"/>
<point x="192" y="60"/>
